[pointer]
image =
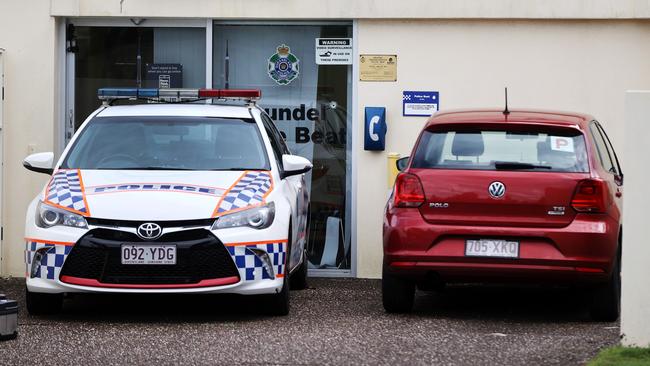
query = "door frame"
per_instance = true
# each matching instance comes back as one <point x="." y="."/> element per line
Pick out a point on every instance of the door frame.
<point x="2" y="97"/>
<point x="67" y="86"/>
<point x="350" y="234"/>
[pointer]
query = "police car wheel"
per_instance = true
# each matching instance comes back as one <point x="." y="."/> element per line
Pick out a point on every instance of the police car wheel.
<point x="298" y="279"/>
<point x="278" y="304"/>
<point x="43" y="304"/>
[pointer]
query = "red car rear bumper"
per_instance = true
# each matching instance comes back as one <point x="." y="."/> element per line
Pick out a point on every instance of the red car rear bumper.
<point x="583" y="251"/>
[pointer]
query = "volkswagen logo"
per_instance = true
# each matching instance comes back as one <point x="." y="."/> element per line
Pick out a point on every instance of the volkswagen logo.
<point x="149" y="231"/>
<point x="497" y="189"/>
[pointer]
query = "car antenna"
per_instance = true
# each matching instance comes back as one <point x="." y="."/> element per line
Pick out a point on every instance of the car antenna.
<point x="506" y="111"/>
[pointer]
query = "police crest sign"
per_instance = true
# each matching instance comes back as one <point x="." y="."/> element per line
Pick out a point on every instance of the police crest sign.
<point x="283" y="66"/>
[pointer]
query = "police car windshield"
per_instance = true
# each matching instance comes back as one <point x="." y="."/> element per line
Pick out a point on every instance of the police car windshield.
<point x="168" y="143"/>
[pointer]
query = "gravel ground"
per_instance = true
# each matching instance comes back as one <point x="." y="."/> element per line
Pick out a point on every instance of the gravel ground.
<point x="336" y="321"/>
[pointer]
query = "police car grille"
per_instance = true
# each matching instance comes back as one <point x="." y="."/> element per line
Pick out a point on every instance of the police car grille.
<point x="164" y="224"/>
<point x="199" y="256"/>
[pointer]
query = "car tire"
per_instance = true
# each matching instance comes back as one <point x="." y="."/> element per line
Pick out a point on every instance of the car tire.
<point x="278" y="304"/>
<point x="43" y="304"/>
<point x="606" y="299"/>
<point x="397" y="293"/>
<point x="298" y="279"/>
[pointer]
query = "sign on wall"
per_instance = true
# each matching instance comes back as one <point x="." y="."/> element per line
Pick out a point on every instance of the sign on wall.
<point x="375" y="129"/>
<point x="164" y="76"/>
<point x="420" y="103"/>
<point x="283" y="65"/>
<point x="334" y="51"/>
<point x="378" y="67"/>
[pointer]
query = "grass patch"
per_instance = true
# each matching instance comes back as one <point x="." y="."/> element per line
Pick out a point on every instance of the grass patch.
<point x="622" y="356"/>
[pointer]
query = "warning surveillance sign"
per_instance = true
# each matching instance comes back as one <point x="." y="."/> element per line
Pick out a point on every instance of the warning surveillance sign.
<point x="334" y="51"/>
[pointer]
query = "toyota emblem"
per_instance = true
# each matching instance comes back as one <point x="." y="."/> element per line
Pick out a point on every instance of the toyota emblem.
<point x="497" y="189"/>
<point x="149" y="231"/>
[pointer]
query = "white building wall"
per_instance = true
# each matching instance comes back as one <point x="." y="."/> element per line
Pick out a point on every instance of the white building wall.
<point x="583" y="66"/>
<point x="357" y="9"/>
<point x="28" y="37"/>
<point x="635" y="306"/>
<point x="561" y="63"/>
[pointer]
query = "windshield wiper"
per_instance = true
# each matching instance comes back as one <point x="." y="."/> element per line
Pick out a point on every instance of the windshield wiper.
<point x="234" y="169"/>
<point x="148" y="168"/>
<point x="507" y="165"/>
<point x="173" y="168"/>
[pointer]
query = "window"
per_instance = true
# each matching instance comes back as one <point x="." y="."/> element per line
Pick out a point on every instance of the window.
<point x="502" y="150"/>
<point x="168" y="143"/>
<point x="601" y="149"/>
<point x="134" y="57"/>
<point x="276" y="133"/>
<point x="275" y="144"/>
<point x="610" y="148"/>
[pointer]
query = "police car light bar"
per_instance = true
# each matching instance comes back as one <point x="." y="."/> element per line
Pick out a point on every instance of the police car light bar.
<point x="177" y="94"/>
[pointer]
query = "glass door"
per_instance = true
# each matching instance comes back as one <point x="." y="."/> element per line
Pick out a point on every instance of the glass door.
<point x="309" y="101"/>
<point x="130" y="56"/>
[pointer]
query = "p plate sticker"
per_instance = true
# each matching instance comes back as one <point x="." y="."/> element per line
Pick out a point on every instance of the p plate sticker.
<point x="559" y="143"/>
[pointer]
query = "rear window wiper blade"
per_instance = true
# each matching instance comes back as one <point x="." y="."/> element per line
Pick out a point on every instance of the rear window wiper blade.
<point x="506" y="165"/>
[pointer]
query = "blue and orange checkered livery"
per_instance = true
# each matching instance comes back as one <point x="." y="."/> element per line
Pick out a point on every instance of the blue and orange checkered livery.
<point x="66" y="191"/>
<point x="250" y="266"/>
<point x="52" y="261"/>
<point x="249" y="190"/>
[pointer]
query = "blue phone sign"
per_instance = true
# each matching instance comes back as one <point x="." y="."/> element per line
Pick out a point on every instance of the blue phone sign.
<point x="375" y="129"/>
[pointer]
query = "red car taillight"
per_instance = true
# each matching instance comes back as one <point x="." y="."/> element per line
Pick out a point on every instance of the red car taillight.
<point x="589" y="197"/>
<point x="408" y="191"/>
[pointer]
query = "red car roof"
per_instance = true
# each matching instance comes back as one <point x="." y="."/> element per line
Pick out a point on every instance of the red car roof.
<point x="555" y="118"/>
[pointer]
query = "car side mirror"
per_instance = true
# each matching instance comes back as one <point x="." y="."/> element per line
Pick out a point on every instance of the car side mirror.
<point x="40" y="162"/>
<point x="402" y="163"/>
<point x="294" y="165"/>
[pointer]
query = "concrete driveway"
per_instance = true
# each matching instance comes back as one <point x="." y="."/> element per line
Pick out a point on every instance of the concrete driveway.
<point x="337" y="321"/>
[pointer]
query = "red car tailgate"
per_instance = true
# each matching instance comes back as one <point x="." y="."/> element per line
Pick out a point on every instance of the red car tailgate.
<point x="531" y="199"/>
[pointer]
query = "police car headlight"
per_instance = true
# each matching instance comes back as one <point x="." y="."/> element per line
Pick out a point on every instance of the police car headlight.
<point x="48" y="216"/>
<point x="257" y="218"/>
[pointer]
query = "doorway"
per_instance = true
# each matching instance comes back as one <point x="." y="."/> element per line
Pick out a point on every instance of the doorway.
<point x="311" y="104"/>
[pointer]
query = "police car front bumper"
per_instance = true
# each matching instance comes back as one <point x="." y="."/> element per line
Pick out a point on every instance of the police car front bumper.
<point x="256" y="266"/>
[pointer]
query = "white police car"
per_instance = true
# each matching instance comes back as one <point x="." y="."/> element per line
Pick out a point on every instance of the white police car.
<point x="169" y="198"/>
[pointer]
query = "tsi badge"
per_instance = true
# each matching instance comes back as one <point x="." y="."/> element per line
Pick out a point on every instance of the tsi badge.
<point x="375" y="129"/>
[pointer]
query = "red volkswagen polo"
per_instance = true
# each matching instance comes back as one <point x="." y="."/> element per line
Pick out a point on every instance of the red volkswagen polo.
<point x="521" y="196"/>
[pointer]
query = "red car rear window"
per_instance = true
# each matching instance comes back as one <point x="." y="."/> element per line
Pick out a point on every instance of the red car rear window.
<point x="502" y="150"/>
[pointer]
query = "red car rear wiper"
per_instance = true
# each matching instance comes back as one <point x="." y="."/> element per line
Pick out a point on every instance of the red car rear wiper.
<point x="508" y="165"/>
